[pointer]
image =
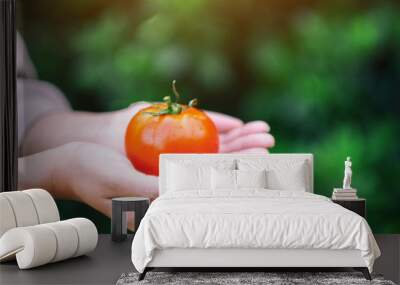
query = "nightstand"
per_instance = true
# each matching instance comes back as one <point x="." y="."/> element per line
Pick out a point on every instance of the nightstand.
<point x="358" y="206"/>
<point x="120" y="206"/>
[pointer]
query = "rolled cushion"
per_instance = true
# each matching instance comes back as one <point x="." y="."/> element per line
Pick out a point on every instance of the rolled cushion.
<point x="45" y="205"/>
<point x="33" y="246"/>
<point x="23" y="208"/>
<point x="7" y="218"/>
<point x="87" y="235"/>
<point x="26" y="208"/>
<point x="66" y="238"/>
<point x="41" y="244"/>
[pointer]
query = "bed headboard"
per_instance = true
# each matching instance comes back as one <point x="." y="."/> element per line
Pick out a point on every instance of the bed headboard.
<point x="205" y="159"/>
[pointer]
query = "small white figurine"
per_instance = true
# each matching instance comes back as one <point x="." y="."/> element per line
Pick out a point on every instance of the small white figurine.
<point x="347" y="174"/>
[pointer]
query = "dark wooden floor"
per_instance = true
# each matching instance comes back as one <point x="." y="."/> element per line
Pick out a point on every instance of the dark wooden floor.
<point x="110" y="260"/>
<point x="389" y="262"/>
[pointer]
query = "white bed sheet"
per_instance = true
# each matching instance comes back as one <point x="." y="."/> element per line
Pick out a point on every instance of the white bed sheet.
<point x="250" y="218"/>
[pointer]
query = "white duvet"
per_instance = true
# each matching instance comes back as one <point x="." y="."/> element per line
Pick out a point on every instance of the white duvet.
<point x="250" y="219"/>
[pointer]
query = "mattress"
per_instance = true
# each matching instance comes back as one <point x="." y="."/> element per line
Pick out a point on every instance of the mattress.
<point x="250" y="219"/>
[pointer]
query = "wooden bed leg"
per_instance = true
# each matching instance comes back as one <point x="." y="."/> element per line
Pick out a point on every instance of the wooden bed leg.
<point x="364" y="271"/>
<point x="143" y="274"/>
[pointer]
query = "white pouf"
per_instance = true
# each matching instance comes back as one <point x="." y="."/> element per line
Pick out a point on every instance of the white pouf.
<point x="23" y="208"/>
<point x="33" y="246"/>
<point x="45" y="205"/>
<point x="26" y="208"/>
<point x="87" y="234"/>
<point x="31" y="231"/>
<point x="7" y="220"/>
<point x="67" y="239"/>
<point x="37" y="245"/>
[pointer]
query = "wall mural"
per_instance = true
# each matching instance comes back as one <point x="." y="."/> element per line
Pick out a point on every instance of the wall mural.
<point x="278" y="76"/>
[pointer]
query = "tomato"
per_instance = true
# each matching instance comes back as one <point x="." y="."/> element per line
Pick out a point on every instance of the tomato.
<point x="155" y="130"/>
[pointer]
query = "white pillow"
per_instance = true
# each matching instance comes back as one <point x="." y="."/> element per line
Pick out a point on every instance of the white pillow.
<point x="251" y="178"/>
<point x="236" y="179"/>
<point x="282" y="174"/>
<point x="181" y="178"/>
<point x="223" y="179"/>
<point x="290" y="179"/>
<point x="187" y="174"/>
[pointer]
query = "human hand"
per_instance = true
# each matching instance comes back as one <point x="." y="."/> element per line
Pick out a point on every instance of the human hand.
<point x="237" y="137"/>
<point x="234" y="135"/>
<point x="86" y="172"/>
<point x="108" y="129"/>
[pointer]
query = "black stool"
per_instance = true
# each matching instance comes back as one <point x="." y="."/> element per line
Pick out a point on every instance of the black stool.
<point x="120" y="206"/>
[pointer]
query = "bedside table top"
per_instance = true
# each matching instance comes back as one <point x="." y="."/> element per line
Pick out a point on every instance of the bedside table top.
<point x="130" y="199"/>
<point x="349" y="200"/>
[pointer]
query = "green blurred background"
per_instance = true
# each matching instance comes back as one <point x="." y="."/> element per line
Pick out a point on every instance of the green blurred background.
<point x="324" y="74"/>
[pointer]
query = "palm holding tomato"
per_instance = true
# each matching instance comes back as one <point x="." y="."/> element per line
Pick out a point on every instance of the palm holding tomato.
<point x="170" y="127"/>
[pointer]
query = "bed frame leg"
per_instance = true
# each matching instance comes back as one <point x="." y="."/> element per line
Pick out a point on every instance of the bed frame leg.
<point x="364" y="271"/>
<point x="143" y="274"/>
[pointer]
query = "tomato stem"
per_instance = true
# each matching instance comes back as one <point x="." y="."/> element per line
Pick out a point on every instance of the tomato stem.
<point x="177" y="96"/>
<point x="173" y="107"/>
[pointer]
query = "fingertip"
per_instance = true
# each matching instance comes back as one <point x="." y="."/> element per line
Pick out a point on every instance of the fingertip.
<point x="257" y="140"/>
<point x="260" y="126"/>
<point x="272" y="140"/>
<point x="224" y="120"/>
<point x="260" y="139"/>
<point x="253" y="151"/>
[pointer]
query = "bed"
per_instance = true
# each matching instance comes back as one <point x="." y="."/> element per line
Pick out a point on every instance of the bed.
<point x="241" y="210"/>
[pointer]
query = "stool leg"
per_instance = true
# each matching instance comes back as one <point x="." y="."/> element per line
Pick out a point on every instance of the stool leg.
<point x="118" y="221"/>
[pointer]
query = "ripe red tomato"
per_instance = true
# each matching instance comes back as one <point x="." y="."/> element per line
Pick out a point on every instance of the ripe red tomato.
<point x="161" y="129"/>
